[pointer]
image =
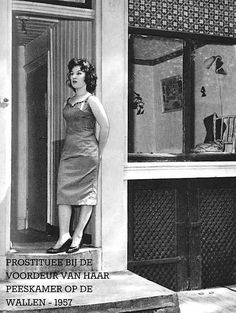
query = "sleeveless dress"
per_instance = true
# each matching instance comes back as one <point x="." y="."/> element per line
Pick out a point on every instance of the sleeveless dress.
<point x="78" y="169"/>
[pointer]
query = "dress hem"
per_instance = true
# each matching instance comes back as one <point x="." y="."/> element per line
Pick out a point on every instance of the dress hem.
<point x="78" y="204"/>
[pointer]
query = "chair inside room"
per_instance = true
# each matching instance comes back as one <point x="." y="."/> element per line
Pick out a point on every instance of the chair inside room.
<point x="226" y="132"/>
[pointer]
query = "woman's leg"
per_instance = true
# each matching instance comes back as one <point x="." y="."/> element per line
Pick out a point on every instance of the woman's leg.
<point x="64" y="215"/>
<point x="85" y="213"/>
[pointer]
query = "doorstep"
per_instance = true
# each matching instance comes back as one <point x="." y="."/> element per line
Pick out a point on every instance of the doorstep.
<point x="86" y="259"/>
<point x="113" y="293"/>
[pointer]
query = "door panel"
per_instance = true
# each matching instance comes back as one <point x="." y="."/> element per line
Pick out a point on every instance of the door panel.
<point x="217" y="203"/>
<point x="157" y="232"/>
<point x="37" y="148"/>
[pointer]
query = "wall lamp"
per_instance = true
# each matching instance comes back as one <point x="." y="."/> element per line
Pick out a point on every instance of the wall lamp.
<point x="217" y="59"/>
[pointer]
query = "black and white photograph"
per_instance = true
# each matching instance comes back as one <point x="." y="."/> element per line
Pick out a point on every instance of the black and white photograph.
<point x="118" y="156"/>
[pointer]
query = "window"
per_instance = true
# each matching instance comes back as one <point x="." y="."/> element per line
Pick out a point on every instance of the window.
<point x="181" y="102"/>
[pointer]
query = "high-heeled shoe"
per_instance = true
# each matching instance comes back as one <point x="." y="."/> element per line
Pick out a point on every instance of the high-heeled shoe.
<point x="74" y="249"/>
<point x="62" y="248"/>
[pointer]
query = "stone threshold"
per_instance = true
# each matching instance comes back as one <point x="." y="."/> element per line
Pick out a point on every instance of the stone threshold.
<point x="113" y="293"/>
<point x="33" y="258"/>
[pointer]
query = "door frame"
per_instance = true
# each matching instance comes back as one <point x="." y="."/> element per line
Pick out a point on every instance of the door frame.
<point x="5" y="133"/>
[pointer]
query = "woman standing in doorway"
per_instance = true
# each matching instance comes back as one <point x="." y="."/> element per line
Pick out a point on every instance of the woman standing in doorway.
<point x="79" y="164"/>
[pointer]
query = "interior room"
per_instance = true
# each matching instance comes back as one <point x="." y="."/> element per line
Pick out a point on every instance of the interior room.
<point x="158" y="85"/>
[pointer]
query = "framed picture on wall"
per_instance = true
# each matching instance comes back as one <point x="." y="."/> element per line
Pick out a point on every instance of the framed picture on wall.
<point x="172" y="93"/>
<point x="87" y="4"/>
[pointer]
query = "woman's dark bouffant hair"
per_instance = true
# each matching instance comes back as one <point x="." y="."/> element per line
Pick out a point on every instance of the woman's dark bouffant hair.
<point x="90" y="74"/>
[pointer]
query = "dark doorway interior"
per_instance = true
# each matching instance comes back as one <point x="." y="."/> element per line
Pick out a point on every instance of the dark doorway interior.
<point x="37" y="148"/>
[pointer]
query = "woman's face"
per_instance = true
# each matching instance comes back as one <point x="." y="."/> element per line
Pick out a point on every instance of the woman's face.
<point x="77" y="77"/>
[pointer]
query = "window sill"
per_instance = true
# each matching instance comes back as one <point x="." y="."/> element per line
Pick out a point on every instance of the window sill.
<point x="171" y="157"/>
<point x="159" y="168"/>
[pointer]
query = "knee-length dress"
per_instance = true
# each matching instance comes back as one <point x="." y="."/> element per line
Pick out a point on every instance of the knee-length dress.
<point x="78" y="169"/>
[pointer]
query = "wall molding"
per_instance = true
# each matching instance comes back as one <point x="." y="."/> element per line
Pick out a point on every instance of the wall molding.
<point x="164" y="170"/>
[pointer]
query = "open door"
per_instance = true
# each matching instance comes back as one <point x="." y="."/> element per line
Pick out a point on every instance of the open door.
<point x="37" y="147"/>
<point x="30" y="131"/>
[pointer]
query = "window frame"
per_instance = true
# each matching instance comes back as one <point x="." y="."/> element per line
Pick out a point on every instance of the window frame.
<point x="189" y="40"/>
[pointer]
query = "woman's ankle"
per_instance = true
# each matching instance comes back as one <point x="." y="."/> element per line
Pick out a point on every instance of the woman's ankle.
<point x="64" y="237"/>
<point x="76" y="241"/>
<point x="61" y="240"/>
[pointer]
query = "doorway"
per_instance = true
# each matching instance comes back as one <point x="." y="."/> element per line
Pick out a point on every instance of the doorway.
<point x="42" y="47"/>
<point x="30" y="135"/>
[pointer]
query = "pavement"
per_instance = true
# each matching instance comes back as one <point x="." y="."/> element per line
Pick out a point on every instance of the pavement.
<point x="213" y="300"/>
<point x="87" y="292"/>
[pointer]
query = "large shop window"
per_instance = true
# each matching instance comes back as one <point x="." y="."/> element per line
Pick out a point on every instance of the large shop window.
<point x="182" y="100"/>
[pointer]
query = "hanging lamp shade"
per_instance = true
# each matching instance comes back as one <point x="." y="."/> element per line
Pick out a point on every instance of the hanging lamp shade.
<point x="217" y="59"/>
<point x="209" y="61"/>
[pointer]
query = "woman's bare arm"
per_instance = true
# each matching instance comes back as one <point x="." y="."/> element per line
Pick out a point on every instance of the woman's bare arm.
<point x="101" y="118"/>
